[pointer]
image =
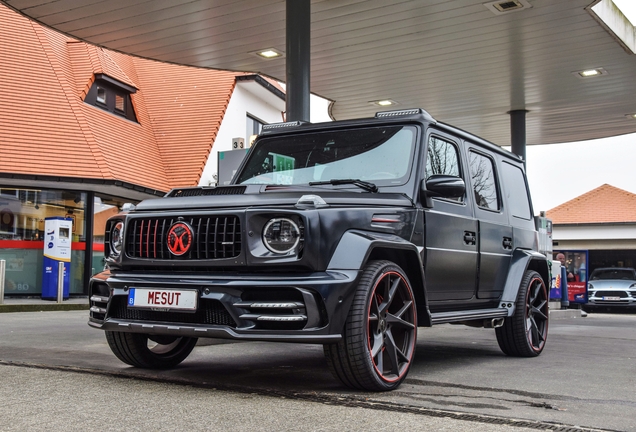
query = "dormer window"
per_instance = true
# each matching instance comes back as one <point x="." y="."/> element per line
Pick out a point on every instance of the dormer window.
<point x="112" y="95"/>
<point x="101" y="95"/>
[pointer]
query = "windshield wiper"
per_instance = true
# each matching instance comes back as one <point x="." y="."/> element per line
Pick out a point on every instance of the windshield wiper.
<point x="367" y="186"/>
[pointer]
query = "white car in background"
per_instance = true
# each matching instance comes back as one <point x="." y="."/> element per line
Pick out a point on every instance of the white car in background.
<point x="612" y="287"/>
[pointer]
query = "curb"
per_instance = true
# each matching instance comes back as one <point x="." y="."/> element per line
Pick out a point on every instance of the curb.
<point x="42" y="307"/>
<point x="567" y="313"/>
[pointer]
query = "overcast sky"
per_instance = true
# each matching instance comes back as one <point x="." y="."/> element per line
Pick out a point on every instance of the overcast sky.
<point x="560" y="172"/>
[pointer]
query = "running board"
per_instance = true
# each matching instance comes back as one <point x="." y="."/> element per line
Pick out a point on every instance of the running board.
<point x="469" y="315"/>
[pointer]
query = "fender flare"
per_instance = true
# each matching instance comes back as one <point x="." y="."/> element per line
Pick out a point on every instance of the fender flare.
<point x="522" y="261"/>
<point x="356" y="247"/>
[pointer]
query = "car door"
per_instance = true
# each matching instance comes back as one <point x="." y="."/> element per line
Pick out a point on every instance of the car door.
<point x="495" y="233"/>
<point x="450" y="263"/>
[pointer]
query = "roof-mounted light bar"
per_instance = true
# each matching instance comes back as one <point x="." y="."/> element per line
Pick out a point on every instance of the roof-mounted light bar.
<point x="284" y="125"/>
<point x="399" y="113"/>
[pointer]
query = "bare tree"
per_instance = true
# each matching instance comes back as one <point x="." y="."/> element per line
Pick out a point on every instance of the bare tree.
<point x="442" y="158"/>
<point x="483" y="180"/>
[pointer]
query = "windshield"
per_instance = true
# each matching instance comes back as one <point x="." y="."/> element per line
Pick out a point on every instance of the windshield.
<point x="607" y="274"/>
<point x="382" y="155"/>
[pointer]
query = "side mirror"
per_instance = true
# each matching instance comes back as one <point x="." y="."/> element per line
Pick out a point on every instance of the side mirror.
<point x="443" y="186"/>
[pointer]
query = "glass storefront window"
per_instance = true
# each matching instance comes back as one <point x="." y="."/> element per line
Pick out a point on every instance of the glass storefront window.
<point x="22" y="216"/>
<point x="576" y="270"/>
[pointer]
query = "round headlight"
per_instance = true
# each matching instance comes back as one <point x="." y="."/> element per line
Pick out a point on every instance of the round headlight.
<point x="117" y="238"/>
<point x="281" y="235"/>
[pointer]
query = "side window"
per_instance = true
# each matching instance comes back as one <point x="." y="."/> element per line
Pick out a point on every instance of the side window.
<point x="516" y="192"/>
<point x="442" y="158"/>
<point x="482" y="173"/>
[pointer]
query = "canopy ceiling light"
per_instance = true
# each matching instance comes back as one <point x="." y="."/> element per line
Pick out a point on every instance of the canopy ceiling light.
<point x="384" y="102"/>
<point x="590" y="73"/>
<point x="268" y="53"/>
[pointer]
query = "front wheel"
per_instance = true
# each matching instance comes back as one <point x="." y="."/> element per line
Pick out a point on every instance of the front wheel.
<point x="378" y="342"/>
<point x="524" y="334"/>
<point x="150" y="351"/>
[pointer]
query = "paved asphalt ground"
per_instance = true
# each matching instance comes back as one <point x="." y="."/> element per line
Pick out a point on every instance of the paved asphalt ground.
<point x="56" y="373"/>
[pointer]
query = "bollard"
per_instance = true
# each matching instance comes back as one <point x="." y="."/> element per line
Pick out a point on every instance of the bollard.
<point x="3" y="265"/>
<point x="565" y="301"/>
<point x="60" y="282"/>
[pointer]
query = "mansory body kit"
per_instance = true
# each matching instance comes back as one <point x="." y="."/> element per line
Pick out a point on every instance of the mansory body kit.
<point x="350" y="234"/>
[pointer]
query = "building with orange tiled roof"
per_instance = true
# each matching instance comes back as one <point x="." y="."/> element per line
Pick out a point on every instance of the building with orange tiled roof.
<point x="596" y="229"/>
<point x="83" y="129"/>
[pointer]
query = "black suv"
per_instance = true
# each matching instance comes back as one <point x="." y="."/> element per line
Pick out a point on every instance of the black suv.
<point x="350" y="234"/>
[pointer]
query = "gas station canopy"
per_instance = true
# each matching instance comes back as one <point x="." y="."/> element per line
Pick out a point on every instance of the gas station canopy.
<point x="467" y="62"/>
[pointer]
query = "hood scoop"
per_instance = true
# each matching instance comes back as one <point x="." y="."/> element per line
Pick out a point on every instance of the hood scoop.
<point x="205" y="191"/>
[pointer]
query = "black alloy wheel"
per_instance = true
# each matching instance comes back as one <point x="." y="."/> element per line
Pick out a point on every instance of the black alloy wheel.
<point x="525" y="333"/>
<point x="379" y="338"/>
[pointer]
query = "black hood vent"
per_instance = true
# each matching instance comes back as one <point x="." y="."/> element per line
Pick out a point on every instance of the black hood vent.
<point x="199" y="191"/>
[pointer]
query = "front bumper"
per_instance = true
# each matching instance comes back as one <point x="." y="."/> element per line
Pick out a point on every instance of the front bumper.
<point x="307" y="308"/>
<point x="601" y="300"/>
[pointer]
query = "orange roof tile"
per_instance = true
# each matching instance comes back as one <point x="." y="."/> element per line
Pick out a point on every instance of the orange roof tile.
<point x="47" y="129"/>
<point x="37" y="120"/>
<point x="605" y="204"/>
<point x="176" y="96"/>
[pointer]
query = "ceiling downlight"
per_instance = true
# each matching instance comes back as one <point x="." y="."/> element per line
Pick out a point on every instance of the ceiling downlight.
<point x="590" y="73"/>
<point x="501" y="7"/>
<point x="268" y="53"/>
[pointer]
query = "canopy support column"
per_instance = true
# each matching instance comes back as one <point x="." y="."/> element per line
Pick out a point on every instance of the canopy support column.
<point x="518" y="133"/>
<point x="298" y="22"/>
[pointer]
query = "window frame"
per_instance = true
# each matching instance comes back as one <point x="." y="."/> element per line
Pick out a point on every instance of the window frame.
<point x="510" y="200"/>
<point x="255" y="121"/>
<point x="495" y="174"/>
<point x="113" y="90"/>
<point x="458" y="153"/>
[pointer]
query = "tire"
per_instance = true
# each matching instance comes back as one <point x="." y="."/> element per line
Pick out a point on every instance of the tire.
<point x="150" y="351"/>
<point x="378" y="342"/>
<point x="525" y="333"/>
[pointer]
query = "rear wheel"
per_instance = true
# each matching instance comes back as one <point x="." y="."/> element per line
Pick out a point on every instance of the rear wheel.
<point x="150" y="351"/>
<point x="524" y="334"/>
<point x="378" y="343"/>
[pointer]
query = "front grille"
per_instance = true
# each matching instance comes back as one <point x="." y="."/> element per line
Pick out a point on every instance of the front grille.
<point x="621" y="294"/>
<point x="214" y="237"/>
<point x="211" y="312"/>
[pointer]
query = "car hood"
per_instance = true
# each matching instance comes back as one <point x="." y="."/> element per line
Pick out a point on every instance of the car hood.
<point x="257" y="198"/>
<point x="612" y="284"/>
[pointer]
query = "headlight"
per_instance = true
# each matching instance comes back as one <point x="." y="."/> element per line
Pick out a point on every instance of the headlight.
<point x="590" y="286"/>
<point x="117" y="238"/>
<point x="281" y="235"/>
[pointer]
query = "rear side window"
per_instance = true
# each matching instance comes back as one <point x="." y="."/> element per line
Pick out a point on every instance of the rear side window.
<point x="516" y="192"/>
<point x="482" y="173"/>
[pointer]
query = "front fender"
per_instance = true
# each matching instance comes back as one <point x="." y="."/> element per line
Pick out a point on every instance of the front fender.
<point x="357" y="247"/>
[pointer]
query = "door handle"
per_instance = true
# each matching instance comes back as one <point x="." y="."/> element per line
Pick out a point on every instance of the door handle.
<point x="507" y="243"/>
<point x="470" y="238"/>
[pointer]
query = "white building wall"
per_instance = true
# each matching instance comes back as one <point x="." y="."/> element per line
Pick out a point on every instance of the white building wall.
<point x="234" y="124"/>
<point x="594" y="237"/>
<point x="594" y="232"/>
